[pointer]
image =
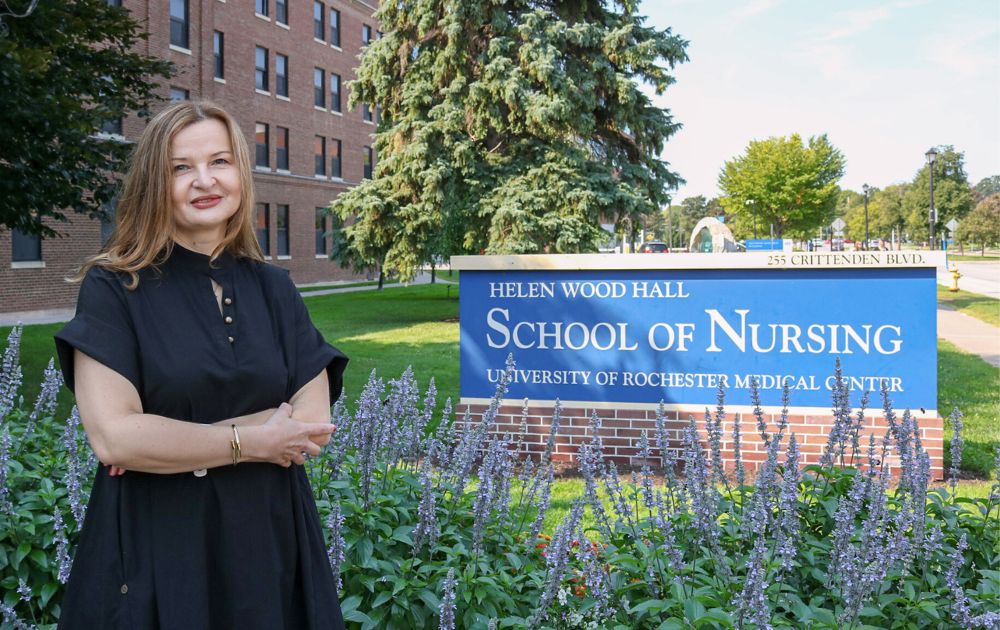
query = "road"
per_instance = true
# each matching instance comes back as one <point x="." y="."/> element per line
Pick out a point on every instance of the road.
<point x="977" y="277"/>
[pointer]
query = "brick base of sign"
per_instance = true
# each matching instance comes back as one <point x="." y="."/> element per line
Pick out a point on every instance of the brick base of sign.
<point x="622" y="428"/>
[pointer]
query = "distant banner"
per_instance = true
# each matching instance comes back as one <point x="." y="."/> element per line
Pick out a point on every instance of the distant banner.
<point x="642" y="336"/>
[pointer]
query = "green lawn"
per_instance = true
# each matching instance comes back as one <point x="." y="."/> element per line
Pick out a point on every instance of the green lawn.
<point x="979" y="306"/>
<point x="973" y="257"/>
<point x="418" y="326"/>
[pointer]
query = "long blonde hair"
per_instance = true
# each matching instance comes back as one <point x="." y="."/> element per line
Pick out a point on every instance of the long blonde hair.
<point x="144" y="225"/>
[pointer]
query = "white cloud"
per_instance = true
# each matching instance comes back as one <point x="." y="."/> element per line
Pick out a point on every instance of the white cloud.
<point x="857" y="22"/>
<point x="748" y="10"/>
<point x="967" y="48"/>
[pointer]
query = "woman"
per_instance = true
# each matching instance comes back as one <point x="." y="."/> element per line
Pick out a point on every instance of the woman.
<point x="202" y="385"/>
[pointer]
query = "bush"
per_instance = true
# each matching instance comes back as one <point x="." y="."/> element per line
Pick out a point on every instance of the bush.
<point x="416" y="540"/>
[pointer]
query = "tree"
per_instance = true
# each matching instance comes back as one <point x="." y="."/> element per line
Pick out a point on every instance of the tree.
<point x="65" y="70"/>
<point x="952" y="195"/>
<point x="885" y="213"/>
<point x="791" y="185"/>
<point x="685" y="216"/>
<point x="982" y="225"/>
<point x="987" y="186"/>
<point x="521" y="124"/>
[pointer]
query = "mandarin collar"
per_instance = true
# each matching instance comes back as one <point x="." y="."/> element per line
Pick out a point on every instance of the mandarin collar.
<point x="184" y="258"/>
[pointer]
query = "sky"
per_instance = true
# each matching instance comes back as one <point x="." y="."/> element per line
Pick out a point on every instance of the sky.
<point x="884" y="80"/>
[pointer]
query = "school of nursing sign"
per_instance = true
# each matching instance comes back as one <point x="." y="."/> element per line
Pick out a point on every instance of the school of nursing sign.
<point x="645" y="328"/>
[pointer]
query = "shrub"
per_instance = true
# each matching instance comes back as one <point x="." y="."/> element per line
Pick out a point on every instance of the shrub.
<point x="417" y="540"/>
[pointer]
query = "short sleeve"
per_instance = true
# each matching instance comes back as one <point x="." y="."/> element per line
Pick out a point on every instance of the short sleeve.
<point x="102" y="329"/>
<point x="312" y="353"/>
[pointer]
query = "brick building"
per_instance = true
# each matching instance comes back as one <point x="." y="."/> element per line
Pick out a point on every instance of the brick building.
<point x="280" y="68"/>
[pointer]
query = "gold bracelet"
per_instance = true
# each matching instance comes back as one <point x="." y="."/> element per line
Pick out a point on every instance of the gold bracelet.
<point x="235" y="445"/>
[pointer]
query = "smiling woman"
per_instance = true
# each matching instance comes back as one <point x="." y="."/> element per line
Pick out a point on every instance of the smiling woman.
<point x="202" y="385"/>
<point x="206" y="190"/>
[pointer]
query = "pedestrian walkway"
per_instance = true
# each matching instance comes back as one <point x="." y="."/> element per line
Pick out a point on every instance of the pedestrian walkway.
<point x="970" y="334"/>
<point x="422" y="277"/>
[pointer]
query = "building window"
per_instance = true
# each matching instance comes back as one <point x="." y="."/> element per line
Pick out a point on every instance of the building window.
<point x="319" y="26"/>
<point x="179" y="23"/>
<point x="368" y="157"/>
<point x="319" y="92"/>
<point x="335" y="27"/>
<point x="281" y="11"/>
<point x="263" y="146"/>
<point x="281" y="148"/>
<point x="282" y="219"/>
<point x="335" y="161"/>
<point x="114" y="3"/>
<point x="366" y="112"/>
<point x="219" y="50"/>
<point x="366" y="34"/>
<point x="263" y="228"/>
<point x="26" y="247"/>
<point x="281" y="75"/>
<point x="319" y="150"/>
<point x="108" y="224"/>
<point x="112" y="127"/>
<point x="261" y="7"/>
<point x="321" y="231"/>
<point x="179" y="95"/>
<point x="335" y="91"/>
<point x="261" y="60"/>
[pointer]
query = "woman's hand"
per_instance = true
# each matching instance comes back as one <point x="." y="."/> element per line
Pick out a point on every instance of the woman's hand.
<point x="286" y="441"/>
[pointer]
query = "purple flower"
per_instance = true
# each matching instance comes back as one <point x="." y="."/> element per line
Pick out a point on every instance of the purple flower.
<point x="45" y="404"/>
<point x="10" y="371"/>
<point x="63" y="560"/>
<point x="788" y="507"/>
<point x="702" y="494"/>
<point x="960" y="606"/>
<point x="427" y="529"/>
<point x="556" y="561"/>
<point x="752" y="605"/>
<point x="335" y="552"/>
<point x="447" y="607"/>
<point x="6" y="506"/>
<point x="24" y="591"/>
<point x="76" y="468"/>
<point x="957" y="444"/>
<point x="545" y="478"/>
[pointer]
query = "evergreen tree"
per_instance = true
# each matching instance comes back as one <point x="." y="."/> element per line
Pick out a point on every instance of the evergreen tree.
<point x="67" y="69"/>
<point x="792" y="186"/>
<point x="509" y="127"/>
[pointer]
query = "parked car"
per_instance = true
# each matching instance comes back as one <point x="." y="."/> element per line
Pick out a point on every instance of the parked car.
<point x="654" y="247"/>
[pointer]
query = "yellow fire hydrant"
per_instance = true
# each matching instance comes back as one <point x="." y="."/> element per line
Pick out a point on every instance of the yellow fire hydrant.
<point x="955" y="275"/>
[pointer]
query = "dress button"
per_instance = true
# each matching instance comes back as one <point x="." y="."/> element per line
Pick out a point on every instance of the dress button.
<point x="231" y="340"/>
<point x="228" y="301"/>
<point x="229" y="320"/>
<point x="124" y="588"/>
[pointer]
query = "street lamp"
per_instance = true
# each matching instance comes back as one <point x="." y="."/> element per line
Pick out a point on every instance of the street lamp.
<point x="931" y="157"/>
<point x="866" y="189"/>
<point x="750" y="202"/>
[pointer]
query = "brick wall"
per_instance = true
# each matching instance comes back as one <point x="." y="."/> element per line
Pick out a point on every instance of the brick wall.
<point x="622" y="428"/>
<point x="44" y="287"/>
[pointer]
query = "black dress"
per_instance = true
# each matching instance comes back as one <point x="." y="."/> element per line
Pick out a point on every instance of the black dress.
<point x="241" y="547"/>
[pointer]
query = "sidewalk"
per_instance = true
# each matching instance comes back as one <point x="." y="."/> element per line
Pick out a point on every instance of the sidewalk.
<point x="970" y="334"/>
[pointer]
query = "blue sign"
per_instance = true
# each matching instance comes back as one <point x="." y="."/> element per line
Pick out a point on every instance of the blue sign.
<point x="645" y="336"/>
<point x="763" y="244"/>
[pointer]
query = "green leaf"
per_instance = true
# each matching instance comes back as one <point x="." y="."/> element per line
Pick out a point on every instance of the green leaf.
<point x="430" y="598"/>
